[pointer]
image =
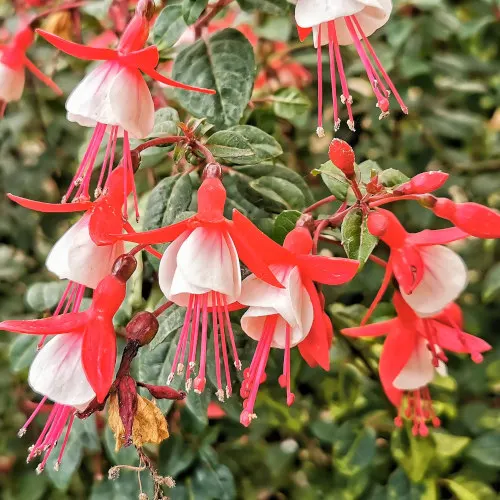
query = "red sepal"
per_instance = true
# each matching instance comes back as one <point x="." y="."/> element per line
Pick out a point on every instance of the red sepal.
<point x="76" y="50"/>
<point x="437" y="236"/>
<point x="327" y="270"/>
<point x="99" y="356"/>
<point x="380" y="293"/>
<point x="315" y="348"/>
<point x="65" y="323"/>
<point x="398" y="347"/>
<point x="450" y="339"/>
<point x="161" y="235"/>
<point x="250" y="256"/>
<point x="104" y="222"/>
<point x="144" y="58"/>
<point x="303" y="32"/>
<point x="373" y="330"/>
<point x="173" y="83"/>
<point x="42" y="76"/>
<point x="40" y="206"/>
<point x="408" y="267"/>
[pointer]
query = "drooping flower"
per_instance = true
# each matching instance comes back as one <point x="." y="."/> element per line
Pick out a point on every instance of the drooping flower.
<point x="430" y="275"/>
<point x="347" y="22"/>
<point x="85" y="254"/>
<point x="85" y="343"/>
<point x="13" y="63"/>
<point x="413" y="353"/>
<point x="200" y="270"/>
<point x="114" y="98"/>
<point x="290" y="316"/>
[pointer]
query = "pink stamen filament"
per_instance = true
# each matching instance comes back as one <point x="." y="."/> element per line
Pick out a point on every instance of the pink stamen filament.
<point x="345" y="97"/>
<point x="320" y="131"/>
<point x="331" y="53"/>
<point x="419" y="410"/>
<point x="388" y="81"/>
<point x="255" y="375"/>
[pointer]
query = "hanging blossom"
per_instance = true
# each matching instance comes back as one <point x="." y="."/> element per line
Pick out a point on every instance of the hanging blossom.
<point x="413" y="353"/>
<point x="77" y="365"/>
<point x="200" y="270"/>
<point x="429" y="274"/>
<point x="290" y="316"/>
<point x="13" y="62"/>
<point x="115" y="99"/>
<point x="347" y="22"/>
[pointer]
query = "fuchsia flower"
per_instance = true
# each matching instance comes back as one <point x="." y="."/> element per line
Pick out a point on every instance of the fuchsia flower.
<point x="13" y="61"/>
<point x="346" y="22"/>
<point x="114" y="98"/>
<point x="78" y="363"/>
<point x="412" y="354"/>
<point x="86" y="252"/>
<point x="289" y="316"/>
<point x="429" y="274"/>
<point x="200" y="270"/>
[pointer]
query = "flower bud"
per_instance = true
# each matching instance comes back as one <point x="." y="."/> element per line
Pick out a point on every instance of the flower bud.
<point x="142" y="328"/>
<point x="423" y="183"/>
<point x="124" y="267"/>
<point x="212" y="170"/>
<point x="163" y="391"/>
<point x="342" y="156"/>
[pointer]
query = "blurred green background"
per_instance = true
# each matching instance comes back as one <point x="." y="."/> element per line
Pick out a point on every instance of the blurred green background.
<point x="338" y="440"/>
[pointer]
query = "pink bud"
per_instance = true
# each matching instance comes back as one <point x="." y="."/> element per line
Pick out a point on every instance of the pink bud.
<point x="163" y="391"/>
<point x="423" y="183"/>
<point x="342" y="156"/>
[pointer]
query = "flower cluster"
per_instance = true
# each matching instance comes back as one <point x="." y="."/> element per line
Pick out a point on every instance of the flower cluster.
<point x="217" y="265"/>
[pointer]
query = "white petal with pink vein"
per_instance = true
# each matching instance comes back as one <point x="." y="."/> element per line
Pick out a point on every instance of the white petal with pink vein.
<point x="11" y="83"/>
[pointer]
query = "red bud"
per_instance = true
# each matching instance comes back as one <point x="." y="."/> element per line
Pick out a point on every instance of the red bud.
<point x="342" y="156"/>
<point x="423" y="183"/>
<point x="163" y="391"/>
<point x="142" y="327"/>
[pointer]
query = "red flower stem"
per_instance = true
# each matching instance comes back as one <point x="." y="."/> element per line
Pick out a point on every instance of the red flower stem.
<point x="137" y="249"/>
<point x="206" y="152"/>
<point x="206" y="18"/>
<point x="324" y="201"/>
<point x="378" y="260"/>
<point x="159" y="142"/>
<point x="355" y="188"/>
<point x="384" y="201"/>
<point x="162" y="308"/>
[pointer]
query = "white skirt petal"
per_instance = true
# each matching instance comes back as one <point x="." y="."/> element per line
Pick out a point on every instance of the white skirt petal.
<point x="113" y="94"/>
<point x="371" y="15"/>
<point x="205" y="261"/>
<point x="57" y="371"/>
<point x="444" y="279"/>
<point x="418" y="371"/>
<point x="77" y="258"/>
<point x="11" y="83"/>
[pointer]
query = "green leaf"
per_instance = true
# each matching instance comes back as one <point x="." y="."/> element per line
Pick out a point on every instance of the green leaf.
<point x="170" y="321"/>
<point x="166" y="120"/>
<point x="169" y="26"/>
<point x="44" y="296"/>
<point x="491" y="284"/>
<point x="226" y="63"/>
<point x="283" y="193"/>
<point x="230" y="146"/>
<point x="197" y="404"/>
<point x="358" y="242"/>
<point x="23" y="352"/>
<point x="274" y="7"/>
<point x="213" y="483"/>
<point x="290" y="103"/>
<point x="392" y="178"/>
<point x="263" y="145"/>
<point x="334" y="179"/>
<point x="192" y="9"/>
<point x="359" y="455"/>
<point x="486" y="449"/>
<point x="284" y="223"/>
<point x="176" y="456"/>
<point x="70" y="463"/>
<point x="464" y="489"/>
<point x="399" y="487"/>
<point x="448" y="445"/>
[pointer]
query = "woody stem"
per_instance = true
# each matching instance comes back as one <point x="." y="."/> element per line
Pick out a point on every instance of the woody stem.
<point x="212" y="12"/>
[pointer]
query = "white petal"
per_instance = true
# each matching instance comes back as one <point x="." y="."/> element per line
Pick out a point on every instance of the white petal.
<point x="444" y="279"/>
<point x="114" y="95"/>
<point x="57" y="371"/>
<point x="371" y="15"/>
<point x="206" y="261"/>
<point x="11" y="83"/>
<point x="292" y="303"/>
<point x="418" y="371"/>
<point x="77" y="258"/>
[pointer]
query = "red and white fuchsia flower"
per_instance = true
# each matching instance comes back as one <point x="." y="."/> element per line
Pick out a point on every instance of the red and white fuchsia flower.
<point x="13" y="64"/>
<point x="430" y="275"/>
<point x="114" y="98"/>
<point x="78" y="363"/>
<point x="290" y="316"/>
<point x="200" y="270"/>
<point x="346" y="22"/>
<point x="413" y="353"/>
